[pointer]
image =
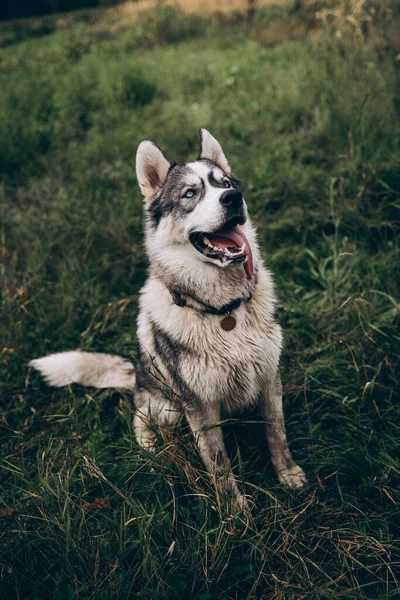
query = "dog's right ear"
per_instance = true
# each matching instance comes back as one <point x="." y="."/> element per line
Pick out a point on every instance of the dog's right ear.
<point x="151" y="169"/>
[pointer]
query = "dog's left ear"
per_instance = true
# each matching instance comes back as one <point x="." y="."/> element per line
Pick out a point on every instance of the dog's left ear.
<point x="151" y="168"/>
<point x="211" y="149"/>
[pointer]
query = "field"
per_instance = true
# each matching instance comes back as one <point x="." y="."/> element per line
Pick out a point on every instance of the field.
<point x="307" y="109"/>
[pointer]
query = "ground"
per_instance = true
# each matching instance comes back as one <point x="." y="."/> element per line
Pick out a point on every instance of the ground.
<point x="308" y="118"/>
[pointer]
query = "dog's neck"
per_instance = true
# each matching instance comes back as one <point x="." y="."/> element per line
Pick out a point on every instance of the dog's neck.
<point x="211" y="285"/>
<point x="196" y="304"/>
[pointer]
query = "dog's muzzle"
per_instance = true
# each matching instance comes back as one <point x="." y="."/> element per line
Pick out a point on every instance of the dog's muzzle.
<point x="227" y="245"/>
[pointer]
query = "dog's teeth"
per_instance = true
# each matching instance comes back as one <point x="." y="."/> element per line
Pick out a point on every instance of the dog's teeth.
<point x="230" y="252"/>
<point x="207" y="242"/>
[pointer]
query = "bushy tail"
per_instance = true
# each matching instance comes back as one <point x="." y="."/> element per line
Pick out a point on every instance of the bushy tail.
<point x="86" y="368"/>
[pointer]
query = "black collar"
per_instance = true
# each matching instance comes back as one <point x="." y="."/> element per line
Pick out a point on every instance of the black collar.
<point x="226" y="309"/>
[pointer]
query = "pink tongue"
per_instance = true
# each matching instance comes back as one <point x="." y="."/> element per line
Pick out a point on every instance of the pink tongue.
<point x="235" y="235"/>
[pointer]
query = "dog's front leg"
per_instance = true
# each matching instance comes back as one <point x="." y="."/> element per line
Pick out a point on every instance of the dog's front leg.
<point x="271" y="405"/>
<point x="210" y="440"/>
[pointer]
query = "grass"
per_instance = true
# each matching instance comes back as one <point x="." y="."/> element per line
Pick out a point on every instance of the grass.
<point x="310" y="126"/>
<point x="112" y="17"/>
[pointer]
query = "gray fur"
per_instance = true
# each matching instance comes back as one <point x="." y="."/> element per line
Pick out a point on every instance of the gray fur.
<point x="168" y="200"/>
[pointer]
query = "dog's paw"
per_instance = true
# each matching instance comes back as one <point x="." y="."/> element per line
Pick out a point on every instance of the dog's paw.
<point x="293" y="477"/>
<point x="240" y="504"/>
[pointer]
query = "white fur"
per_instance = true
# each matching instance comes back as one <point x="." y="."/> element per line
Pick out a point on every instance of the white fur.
<point x="91" y="369"/>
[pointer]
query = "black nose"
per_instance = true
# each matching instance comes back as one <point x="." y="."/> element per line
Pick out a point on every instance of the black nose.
<point x="231" y="198"/>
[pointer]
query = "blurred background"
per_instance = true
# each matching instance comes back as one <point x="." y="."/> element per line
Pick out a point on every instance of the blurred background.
<point x="304" y="98"/>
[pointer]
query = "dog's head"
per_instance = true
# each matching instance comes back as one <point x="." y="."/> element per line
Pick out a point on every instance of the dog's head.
<point x="198" y="206"/>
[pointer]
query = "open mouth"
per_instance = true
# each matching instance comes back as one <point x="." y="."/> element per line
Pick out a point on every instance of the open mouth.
<point x="228" y="245"/>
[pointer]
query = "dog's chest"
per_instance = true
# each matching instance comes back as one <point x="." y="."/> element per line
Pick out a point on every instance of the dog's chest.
<point x="230" y="367"/>
<point x="226" y="367"/>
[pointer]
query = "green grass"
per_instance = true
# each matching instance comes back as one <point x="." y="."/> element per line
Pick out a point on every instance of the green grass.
<point x="312" y="132"/>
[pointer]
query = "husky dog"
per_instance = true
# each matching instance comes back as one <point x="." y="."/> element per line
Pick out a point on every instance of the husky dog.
<point x="206" y="328"/>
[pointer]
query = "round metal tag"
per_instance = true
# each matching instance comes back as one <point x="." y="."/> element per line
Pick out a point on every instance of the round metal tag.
<point x="228" y="323"/>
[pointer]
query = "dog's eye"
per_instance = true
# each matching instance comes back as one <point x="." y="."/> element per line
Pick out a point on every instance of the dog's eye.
<point x="226" y="183"/>
<point x="189" y="193"/>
